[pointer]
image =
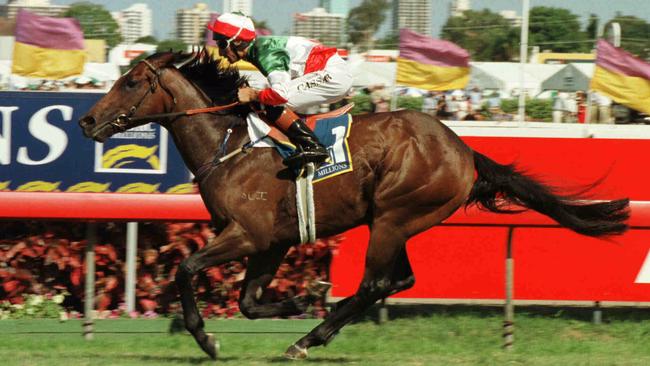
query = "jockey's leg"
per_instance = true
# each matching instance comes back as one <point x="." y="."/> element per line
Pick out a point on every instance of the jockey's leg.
<point x="309" y="148"/>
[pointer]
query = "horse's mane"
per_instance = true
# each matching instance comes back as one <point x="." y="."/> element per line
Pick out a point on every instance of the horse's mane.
<point x="219" y="83"/>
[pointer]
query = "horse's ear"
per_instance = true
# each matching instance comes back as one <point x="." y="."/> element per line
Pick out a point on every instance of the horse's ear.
<point x="182" y="58"/>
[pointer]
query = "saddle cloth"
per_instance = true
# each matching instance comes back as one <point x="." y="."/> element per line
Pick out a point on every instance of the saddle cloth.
<point x="332" y="129"/>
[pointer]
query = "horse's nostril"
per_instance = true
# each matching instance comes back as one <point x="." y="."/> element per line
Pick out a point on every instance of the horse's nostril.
<point x="87" y="121"/>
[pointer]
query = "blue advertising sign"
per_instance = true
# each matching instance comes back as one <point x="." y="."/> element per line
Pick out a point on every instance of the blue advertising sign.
<point x="42" y="148"/>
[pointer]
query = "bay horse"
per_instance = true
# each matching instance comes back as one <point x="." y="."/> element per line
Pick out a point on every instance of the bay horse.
<point x="410" y="173"/>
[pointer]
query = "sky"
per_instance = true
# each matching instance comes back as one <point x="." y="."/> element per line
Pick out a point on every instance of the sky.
<point x="278" y="13"/>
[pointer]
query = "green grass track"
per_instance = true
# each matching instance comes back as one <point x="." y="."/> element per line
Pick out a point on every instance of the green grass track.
<point x="439" y="338"/>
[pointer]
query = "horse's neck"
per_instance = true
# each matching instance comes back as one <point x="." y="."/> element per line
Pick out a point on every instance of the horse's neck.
<point x="198" y="137"/>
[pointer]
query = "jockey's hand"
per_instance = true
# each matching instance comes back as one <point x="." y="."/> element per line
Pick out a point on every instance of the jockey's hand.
<point x="247" y="95"/>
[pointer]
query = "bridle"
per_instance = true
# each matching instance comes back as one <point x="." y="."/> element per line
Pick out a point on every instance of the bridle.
<point x="121" y="121"/>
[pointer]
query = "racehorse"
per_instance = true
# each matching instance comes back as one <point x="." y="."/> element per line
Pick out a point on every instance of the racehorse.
<point x="410" y="173"/>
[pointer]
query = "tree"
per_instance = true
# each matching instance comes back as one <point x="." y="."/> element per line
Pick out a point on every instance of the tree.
<point x="558" y="30"/>
<point x="591" y="32"/>
<point x="171" y="45"/>
<point x="389" y="42"/>
<point x="262" y="27"/>
<point x="364" y="21"/>
<point x="635" y="34"/>
<point x="96" y="22"/>
<point x="487" y="36"/>
<point x="147" y="40"/>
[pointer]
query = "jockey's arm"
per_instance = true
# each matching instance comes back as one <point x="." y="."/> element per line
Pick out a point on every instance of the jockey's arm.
<point x="274" y="63"/>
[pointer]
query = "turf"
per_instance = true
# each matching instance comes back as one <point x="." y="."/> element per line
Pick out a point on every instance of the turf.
<point x="437" y="338"/>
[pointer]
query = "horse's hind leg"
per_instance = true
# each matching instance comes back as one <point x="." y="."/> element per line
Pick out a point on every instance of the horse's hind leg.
<point x="260" y="271"/>
<point x="402" y="278"/>
<point x="231" y="244"/>
<point x="384" y="274"/>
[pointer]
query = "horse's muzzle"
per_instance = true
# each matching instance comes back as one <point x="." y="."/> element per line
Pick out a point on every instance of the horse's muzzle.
<point x="101" y="131"/>
<point x="87" y="123"/>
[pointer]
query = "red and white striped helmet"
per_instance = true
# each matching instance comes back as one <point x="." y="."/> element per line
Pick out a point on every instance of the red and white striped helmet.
<point x="234" y="26"/>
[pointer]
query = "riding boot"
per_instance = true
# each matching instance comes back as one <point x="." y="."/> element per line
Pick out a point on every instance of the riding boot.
<point x="308" y="148"/>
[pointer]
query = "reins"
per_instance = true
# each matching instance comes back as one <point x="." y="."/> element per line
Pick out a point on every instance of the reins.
<point x="189" y="112"/>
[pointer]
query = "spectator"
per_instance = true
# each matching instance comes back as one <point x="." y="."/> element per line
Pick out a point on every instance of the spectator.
<point x="464" y="107"/>
<point x="452" y="107"/>
<point x="581" y="105"/>
<point x="499" y="115"/>
<point x="442" y="111"/>
<point x="494" y="100"/>
<point x="476" y="98"/>
<point x="559" y="107"/>
<point x="429" y="104"/>
<point x="380" y="99"/>
<point x="572" y="109"/>
<point x="604" y="104"/>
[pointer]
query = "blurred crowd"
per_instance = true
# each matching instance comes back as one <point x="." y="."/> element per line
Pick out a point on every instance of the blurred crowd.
<point x="475" y="104"/>
<point x="82" y="82"/>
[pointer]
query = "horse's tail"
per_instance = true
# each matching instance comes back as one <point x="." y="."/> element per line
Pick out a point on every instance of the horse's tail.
<point x="498" y="185"/>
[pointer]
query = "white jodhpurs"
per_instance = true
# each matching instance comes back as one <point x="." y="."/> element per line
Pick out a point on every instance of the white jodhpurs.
<point x="320" y="87"/>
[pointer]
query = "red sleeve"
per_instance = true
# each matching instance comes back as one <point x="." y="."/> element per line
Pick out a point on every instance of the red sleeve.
<point x="268" y="96"/>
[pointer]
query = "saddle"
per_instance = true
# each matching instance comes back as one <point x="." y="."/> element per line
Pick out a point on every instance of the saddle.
<point x="310" y="120"/>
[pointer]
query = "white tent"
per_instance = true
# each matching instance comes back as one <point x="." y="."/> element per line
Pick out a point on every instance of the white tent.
<point x="373" y="73"/>
<point x="572" y="77"/>
<point x="508" y="73"/>
<point x="485" y="75"/>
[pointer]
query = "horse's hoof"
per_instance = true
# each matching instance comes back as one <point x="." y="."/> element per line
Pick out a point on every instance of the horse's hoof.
<point x="295" y="352"/>
<point x="211" y="346"/>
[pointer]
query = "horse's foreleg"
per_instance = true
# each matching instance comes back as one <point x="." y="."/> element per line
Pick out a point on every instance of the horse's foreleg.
<point x="231" y="244"/>
<point x="384" y="261"/>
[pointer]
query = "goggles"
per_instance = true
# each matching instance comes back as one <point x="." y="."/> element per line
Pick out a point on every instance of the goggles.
<point x="222" y="42"/>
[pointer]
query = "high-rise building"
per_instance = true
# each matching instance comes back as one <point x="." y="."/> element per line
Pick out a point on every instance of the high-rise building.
<point x="320" y="25"/>
<point x="412" y="14"/>
<point x="242" y="6"/>
<point x="512" y="17"/>
<point x="191" y="23"/>
<point x="40" y="7"/>
<point x="336" y="6"/>
<point x="135" y="22"/>
<point x="457" y="7"/>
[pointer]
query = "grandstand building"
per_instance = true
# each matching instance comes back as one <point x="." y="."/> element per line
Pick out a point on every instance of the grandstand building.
<point x="40" y="7"/>
<point x="135" y="22"/>
<point x="242" y="6"/>
<point x="191" y="23"/>
<point x="321" y="25"/>
<point x="336" y="6"/>
<point x="457" y="7"/>
<point x="412" y="14"/>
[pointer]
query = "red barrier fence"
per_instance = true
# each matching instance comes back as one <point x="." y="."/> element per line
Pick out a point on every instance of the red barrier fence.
<point x="462" y="259"/>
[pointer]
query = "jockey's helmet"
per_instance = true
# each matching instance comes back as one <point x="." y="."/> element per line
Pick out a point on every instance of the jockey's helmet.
<point x="231" y="27"/>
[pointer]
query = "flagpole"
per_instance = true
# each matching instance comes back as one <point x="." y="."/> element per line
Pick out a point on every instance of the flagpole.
<point x="523" y="57"/>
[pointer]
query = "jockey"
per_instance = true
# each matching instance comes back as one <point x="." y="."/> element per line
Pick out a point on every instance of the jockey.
<point x="301" y="73"/>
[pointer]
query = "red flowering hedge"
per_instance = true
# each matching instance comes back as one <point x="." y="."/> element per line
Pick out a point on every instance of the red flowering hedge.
<point x="46" y="258"/>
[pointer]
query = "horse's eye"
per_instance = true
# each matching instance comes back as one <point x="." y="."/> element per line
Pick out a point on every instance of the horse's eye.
<point x="131" y="83"/>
